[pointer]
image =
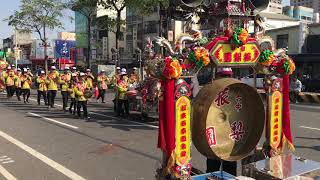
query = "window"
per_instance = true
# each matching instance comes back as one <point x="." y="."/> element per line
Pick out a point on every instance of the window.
<point x="282" y="41"/>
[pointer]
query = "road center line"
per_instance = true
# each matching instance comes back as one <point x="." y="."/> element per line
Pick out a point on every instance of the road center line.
<point x="6" y="174"/>
<point x="54" y="121"/>
<point x="305" y="127"/>
<point x="70" y="174"/>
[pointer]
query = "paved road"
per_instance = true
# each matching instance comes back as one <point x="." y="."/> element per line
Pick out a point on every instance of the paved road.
<point x="41" y="144"/>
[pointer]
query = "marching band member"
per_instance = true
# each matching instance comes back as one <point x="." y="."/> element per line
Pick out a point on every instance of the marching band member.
<point x="26" y="82"/>
<point x="29" y="72"/>
<point x="80" y="89"/>
<point x="89" y="79"/>
<point x="102" y="85"/>
<point x="42" y="88"/>
<point x="18" y="84"/>
<point x="9" y="82"/>
<point x="122" y="88"/>
<point x="73" y="103"/>
<point x="75" y="73"/>
<point x="114" y="80"/>
<point x="125" y="76"/>
<point x="65" y="81"/>
<point x="52" y="82"/>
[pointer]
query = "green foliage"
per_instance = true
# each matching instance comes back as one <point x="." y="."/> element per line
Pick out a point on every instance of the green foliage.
<point x="85" y="7"/>
<point x="146" y="7"/>
<point x="34" y="15"/>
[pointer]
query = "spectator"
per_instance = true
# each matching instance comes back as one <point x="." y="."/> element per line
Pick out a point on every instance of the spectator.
<point x="295" y="89"/>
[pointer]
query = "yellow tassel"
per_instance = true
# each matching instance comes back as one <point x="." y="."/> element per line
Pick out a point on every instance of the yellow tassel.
<point x="171" y="161"/>
<point x="286" y="143"/>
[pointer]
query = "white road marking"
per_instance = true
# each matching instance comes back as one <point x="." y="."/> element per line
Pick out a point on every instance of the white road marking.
<point x="134" y="122"/>
<point x="6" y="160"/>
<point x="70" y="174"/>
<point x="54" y="121"/>
<point x="6" y="174"/>
<point x="305" y="127"/>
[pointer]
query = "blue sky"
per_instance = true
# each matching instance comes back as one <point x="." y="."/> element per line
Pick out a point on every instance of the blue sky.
<point x="8" y="8"/>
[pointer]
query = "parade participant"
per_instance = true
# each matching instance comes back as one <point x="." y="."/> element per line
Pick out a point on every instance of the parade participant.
<point x="213" y="165"/>
<point x="89" y="79"/>
<point x="26" y="82"/>
<point x="75" y="73"/>
<point x="134" y="77"/>
<point x="52" y="82"/>
<point x="80" y="89"/>
<point x="122" y="88"/>
<point x="113" y="82"/>
<point x="65" y="82"/>
<point x="18" y="84"/>
<point x="29" y="72"/>
<point x="125" y="76"/>
<point x="72" y="95"/>
<point x="9" y="82"/>
<point x="42" y="88"/>
<point x="102" y="85"/>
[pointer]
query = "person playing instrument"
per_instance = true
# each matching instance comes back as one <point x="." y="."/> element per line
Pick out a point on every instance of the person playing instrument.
<point x="65" y="82"/>
<point x="52" y="82"/>
<point x="26" y="82"/>
<point x="42" y="88"/>
<point x="18" y="84"/>
<point x="29" y="72"/>
<point x="72" y="95"/>
<point x="102" y="85"/>
<point x="113" y="83"/>
<point x="213" y="165"/>
<point x="122" y="88"/>
<point x="75" y="73"/>
<point x="89" y="79"/>
<point x="9" y="82"/>
<point x="80" y="89"/>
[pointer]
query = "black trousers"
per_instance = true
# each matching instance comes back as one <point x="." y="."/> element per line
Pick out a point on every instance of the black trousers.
<point x="18" y="93"/>
<point x="102" y="92"/>
<point x="73" y="105"/>
<point x="65" y="97"/>
<point x="44" y="95"/>
<point x="83" y="105"/>
<point x="122" y="103"/>
<point x="26" y="94"/>
<point x="51" y="97"/>
<point x="213" y="165"/>
<point x="10" y="91"/>
<point x="294" y="96"/>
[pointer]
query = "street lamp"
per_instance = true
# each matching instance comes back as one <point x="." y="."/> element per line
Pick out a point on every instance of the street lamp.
<point x="115" y="56"/>
<point x="139" y="58"/>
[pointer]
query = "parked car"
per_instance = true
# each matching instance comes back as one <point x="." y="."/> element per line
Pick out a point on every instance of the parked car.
<point x="249" y="80"/>
<point x="312" y="84"/>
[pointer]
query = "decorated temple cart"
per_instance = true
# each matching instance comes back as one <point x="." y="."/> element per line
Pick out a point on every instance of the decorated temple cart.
<point x="227" y="118"/>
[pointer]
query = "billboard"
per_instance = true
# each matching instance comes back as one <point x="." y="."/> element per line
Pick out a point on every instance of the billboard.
<point x="62" y="48"/>
<point x="37" y="50"/>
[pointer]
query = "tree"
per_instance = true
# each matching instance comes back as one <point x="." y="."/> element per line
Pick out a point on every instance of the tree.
<point x="88" y="9"/>
<point x="38" y="16"/>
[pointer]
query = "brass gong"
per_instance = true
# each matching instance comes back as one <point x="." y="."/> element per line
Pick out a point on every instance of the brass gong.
<point x="228" y="120"/>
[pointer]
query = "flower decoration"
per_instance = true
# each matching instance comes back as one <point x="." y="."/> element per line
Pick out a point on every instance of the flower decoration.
<point x="240" y="37"/>
<point x="285" y="66"/>
<point x="199" y="56"/>
<point x="266" y="58"/>
<point x="173" y="69"/>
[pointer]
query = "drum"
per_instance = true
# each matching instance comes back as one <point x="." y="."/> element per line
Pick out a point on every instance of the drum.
<point x="88" y="93"/>
<point x="228" y="120"/>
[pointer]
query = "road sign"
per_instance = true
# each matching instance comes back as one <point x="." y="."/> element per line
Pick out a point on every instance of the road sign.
<point x="224" y="53"/>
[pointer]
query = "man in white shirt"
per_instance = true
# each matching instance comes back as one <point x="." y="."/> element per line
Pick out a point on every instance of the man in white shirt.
<point x="295" y="89"/>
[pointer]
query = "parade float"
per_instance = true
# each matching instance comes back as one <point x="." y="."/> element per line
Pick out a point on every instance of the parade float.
<point x="227" y="118"/>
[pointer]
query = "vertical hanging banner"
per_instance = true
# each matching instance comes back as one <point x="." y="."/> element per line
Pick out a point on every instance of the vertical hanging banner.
<point x="276" y="104"/>
<point x="182" y="129"/>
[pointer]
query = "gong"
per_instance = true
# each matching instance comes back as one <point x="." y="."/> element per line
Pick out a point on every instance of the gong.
<point x="228" y="120"/>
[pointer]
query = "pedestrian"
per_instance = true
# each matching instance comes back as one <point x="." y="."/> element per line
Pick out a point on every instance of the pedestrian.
<point x="17" y="83"/>
<point x="42" y="88"/>
<point x="72" y="95"/>
<point x="65" y="83"/>
<point x="122" y="87"/>
<point x="89" y="79"/>
<point x="295" y="89"/>
<point x="102" y="85"/>
<point x="214" y="165"/>
<point x="9" y="82"/>
<point x="52" y="82"/>
<point x="26" y="82"/>
<point x="80" y="91"/>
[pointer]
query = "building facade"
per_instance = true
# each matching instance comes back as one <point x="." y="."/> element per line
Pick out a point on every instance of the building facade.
<point x="275" y="6"/>
<point x="300" y="13"/>
<point x="314" y="4"/>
